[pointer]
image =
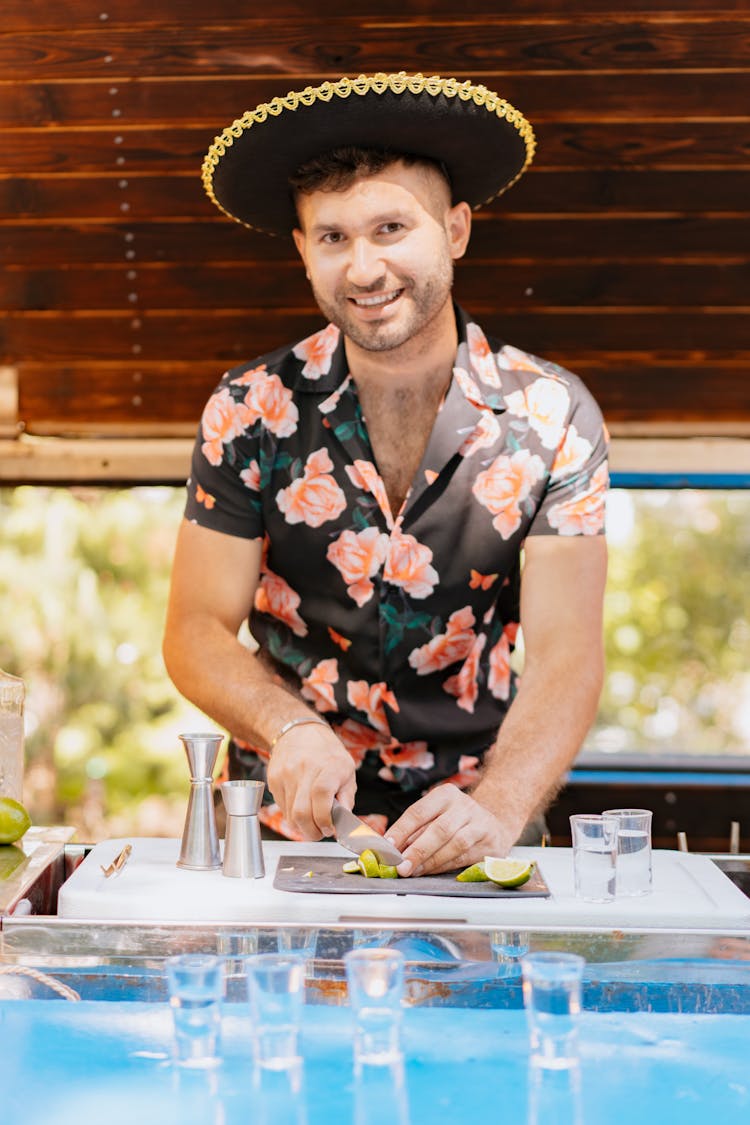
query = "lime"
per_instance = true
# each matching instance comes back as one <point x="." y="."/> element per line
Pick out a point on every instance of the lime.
<point x="474" y="874"/>
<point x="11" y="859"/>
<point x="14" y="820"/>
<point x="351" y="867"/>
<point x="386" y="871"/>
<point x="508" y="872"/>
<point x="368" y="864"/>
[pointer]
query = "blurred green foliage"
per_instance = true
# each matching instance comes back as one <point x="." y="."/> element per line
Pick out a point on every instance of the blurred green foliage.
<point x="84" y="576"/>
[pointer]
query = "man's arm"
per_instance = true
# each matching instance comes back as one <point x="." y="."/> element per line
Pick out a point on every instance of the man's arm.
<point x="214" y="579"/>
<point x="562" y="591"/>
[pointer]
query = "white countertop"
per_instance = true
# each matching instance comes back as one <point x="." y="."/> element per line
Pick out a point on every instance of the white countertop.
<point x="689" y="892"/>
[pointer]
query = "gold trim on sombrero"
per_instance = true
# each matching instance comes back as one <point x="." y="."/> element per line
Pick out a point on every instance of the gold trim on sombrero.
<point x="363" y="84"/>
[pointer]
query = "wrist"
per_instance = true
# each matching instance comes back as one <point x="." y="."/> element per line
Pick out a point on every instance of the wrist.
<point x="290" y="724"/>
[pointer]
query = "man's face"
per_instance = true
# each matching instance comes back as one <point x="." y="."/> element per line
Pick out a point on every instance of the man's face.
<point x="379" y="255"/>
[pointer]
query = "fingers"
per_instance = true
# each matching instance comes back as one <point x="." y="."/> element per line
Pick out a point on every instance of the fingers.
<point x="455" y="832"/>
<point x="304" y="777"/>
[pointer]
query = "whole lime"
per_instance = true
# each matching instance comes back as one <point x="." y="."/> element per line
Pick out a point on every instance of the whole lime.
<point x="14" y="820"/>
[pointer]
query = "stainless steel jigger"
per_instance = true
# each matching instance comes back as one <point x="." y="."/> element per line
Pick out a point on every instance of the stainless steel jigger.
<point x="200" y="840"/>
<point x="243" y="851"/>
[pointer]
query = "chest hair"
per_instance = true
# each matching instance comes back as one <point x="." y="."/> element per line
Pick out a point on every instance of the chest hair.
<point x="399" y="422"/>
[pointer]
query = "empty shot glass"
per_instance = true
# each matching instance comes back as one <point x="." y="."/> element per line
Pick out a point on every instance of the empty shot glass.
<point x="594" y="856"/>
<point x="375" y="978"/>
<point x="276" y="990"/>
<point x="552" y="999"/>
<point x="196" y="989"/>
<point x="633" y="851"/>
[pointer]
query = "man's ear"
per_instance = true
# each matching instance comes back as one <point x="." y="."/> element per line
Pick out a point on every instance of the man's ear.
<point x="458" y="226"/>
<point x="299" y="242"/>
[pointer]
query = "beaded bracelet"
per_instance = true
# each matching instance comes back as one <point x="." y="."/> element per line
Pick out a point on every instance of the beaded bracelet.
<point x="295" y="723"/>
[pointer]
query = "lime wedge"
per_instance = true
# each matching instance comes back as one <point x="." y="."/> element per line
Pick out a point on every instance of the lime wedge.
<point x="474" y="874"/>
<point x="508" y="872"/>
<point x="351" y="867"/>
<point x="14" y="820"/>
<point x="369" y="865"/>
<point x="387" y="871"/>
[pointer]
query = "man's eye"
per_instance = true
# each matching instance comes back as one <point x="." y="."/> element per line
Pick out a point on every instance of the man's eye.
<point x="332" y="237"/>
<point x="391" y="228"/>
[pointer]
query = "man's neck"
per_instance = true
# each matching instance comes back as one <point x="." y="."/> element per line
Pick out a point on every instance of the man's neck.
<point x="424" y="362"/>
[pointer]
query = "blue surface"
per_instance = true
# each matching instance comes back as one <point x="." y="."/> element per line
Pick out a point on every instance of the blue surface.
<point x="679" y="480"/>
<point x="66" y="1063"/>
<point x="659" y="777"/>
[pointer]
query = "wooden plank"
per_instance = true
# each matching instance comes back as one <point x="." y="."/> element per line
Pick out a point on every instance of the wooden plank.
<point x="527" y="286"/>
<point x="108" y="195"/>
<point x="217" y="101"/>
<point x="632" y="390"/>
<point x="572" y="145"/>
<point x="509" y="238"/>
<point x="232" y="336"/>
<point x="351" y="46"/>
<point x="45" y="15"/>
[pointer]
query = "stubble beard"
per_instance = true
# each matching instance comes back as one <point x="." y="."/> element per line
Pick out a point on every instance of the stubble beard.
<point x="427" y="301"/>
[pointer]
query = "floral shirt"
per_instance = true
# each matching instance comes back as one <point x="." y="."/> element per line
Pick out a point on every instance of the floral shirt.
<point x="397" y="627"/>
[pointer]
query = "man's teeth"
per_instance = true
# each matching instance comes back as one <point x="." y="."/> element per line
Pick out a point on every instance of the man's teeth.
<point x="381" y="299"/>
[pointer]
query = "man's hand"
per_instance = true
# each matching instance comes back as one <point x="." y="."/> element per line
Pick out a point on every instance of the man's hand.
<point x="310" y="766"/>
<point x="446" y="829"/>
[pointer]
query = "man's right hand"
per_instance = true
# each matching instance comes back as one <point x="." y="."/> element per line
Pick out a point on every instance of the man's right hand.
<point x="310" y="766"/>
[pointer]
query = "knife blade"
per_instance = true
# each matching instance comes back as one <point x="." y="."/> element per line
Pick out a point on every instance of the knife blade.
<point x="356" y="836"/>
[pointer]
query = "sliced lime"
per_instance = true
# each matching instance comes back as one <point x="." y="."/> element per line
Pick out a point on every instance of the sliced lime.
<point x="508" y="872"/>
<point x="368" y="864"/>
<point x="387" y="871"/>
<point x="474" y="874"/>
<point x="351" y="867"/>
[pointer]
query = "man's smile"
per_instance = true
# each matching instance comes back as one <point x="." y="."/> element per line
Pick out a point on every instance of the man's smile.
<point x="377" y="300"/>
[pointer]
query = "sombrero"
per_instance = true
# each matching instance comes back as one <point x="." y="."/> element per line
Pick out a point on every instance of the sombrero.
<point x="483" y="142"/>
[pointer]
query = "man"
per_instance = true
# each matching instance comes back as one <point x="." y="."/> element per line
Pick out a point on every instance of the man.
<point x="365" y="494"/>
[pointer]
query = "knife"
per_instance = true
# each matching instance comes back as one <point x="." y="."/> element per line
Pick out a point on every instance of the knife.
<point x="356" y="836"/>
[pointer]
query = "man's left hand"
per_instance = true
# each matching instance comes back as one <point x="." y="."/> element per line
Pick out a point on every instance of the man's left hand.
<point x="446" y="829"/>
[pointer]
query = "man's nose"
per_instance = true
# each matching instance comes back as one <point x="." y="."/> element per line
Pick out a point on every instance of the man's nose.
<point x="365" y="264"/>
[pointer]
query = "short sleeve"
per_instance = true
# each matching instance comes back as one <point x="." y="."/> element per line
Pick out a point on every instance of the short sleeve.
<point x="223" y="489"/>
<point x="573" y="502"/>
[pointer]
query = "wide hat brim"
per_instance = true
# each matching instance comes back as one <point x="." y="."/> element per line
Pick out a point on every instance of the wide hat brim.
<point x="484" y="143"/>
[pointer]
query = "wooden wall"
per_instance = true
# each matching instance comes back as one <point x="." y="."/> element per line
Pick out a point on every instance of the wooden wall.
<point x="623" y="252"/>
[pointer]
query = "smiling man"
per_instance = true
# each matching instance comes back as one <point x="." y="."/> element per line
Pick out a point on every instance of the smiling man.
<point x="364" y="496"/>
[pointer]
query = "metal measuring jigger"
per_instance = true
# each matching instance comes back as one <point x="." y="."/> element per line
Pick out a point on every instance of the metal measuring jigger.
<point x="243" y="851"/>
<point x="200" y="840"/>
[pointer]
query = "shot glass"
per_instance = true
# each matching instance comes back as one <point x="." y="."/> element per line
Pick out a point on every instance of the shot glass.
<point x="594" y="856"/>
<point x="299" y="941"/>
<point x="196" y="989"/>
<point x="552" y="999"/>
<point x="276" y="989"/>
<point x="633" y="851"/>
<point x="376" y="986"/>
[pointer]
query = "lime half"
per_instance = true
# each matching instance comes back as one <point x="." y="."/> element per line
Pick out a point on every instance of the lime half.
<point x="14" y="820"/>
<point x="387" y="871"/>
<point x="351" y="867"/>
<point x="369" y="865"/>
<point x="508" y="872"/>
<point x="474" y="874"/>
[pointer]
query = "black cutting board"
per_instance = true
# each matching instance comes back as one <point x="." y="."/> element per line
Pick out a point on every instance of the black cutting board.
<point x="293" y="874"/>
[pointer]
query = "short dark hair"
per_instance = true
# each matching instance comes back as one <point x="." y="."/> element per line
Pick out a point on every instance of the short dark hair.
<point x="337" y="169"/>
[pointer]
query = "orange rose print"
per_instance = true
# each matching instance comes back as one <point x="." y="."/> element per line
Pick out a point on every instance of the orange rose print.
<point x="498" y="680"/>
<point x="430" y="476"/>
<point x="485" y="433"/>
<point x="571" y="455"/>
<point x="250" y="476"/>
<point x="358" y="555"/>
<point x="545" y="403"/>
<point x="408" y="565"/>
<point x="223" y="420"/>
<point x="358" y="739"/>
<point x="314" y="497"/>
<point x="582" y="514"/>
<point x="513" y="359"/>
<point x="448" y="647"/>
<point x="269" y="399"/>
<point x="277" y="598"/>
<point x="272" y="817"/>
<point x="408" y="755"/>
<point x="468" y="773"/>
<point x="364" y="475"/>
<point x="482" y="359"/>
<point x="503" y="486"/>
<point x="318" y="686"/>
<point x="371" y="698"/>
<point x="464" y="685"/>
<point x="470" y="389"/>
<point x="343" y="642"/>
<point x="330" y="403"/>
<point x="318" y="350"/>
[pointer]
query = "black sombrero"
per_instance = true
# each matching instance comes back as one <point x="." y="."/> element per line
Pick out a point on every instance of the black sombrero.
<point x="483" y="142"/>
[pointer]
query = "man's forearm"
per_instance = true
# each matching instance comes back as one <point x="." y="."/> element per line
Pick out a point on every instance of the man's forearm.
<point x="539" y="739"/>
<point x="228" y="682"/>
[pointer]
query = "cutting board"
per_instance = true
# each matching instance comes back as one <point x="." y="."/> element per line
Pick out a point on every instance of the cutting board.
<point x="316" y="874"/>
